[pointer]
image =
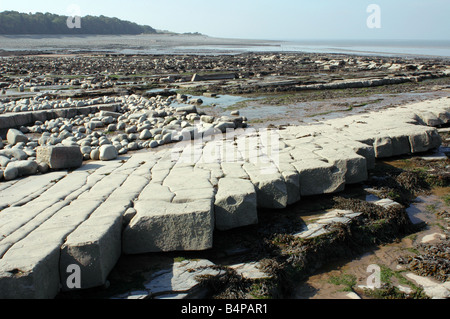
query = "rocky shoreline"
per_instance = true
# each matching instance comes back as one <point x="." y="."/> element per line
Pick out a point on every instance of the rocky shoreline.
<point x="143" y="173"/>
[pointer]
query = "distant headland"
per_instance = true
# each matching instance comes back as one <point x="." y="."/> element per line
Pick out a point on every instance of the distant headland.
<point x="16" y="23"/>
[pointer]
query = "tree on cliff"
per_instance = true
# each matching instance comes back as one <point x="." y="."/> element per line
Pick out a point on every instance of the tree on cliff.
<point x="14" y="23"/>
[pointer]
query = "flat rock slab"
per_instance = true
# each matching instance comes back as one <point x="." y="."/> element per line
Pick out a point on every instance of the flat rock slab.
<point x="433" y="289"/>
<point x="174" y="199"/>
<point x="181" y="278"/>
<point x="250" y="271"/>
<point x="178" y="281"/>
<point x="318" y="227"/>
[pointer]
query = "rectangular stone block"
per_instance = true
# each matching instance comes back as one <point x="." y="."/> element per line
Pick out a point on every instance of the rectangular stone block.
<point x="270" y="185"/>
<point x="60" y="157"/>
<point x="164" y="227"/>
<point x="30" y="277"/>
<point x="351" y="164"/>
<point x="95" y="246"/>
<point x="235" y="204"/>
<point x="424" y="139"/>
<point x="318" y="177"/>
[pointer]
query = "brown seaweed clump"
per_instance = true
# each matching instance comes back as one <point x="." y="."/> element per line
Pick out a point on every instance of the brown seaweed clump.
<point x="435" y="262"/>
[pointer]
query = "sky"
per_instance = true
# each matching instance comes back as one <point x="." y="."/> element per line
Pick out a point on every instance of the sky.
<point x="267" y="19"/>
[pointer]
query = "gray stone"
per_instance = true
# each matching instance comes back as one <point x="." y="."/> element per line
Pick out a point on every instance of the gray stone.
<point x="153" y="144"/>
<point x="182" y="278"/>
<point x="110" y="114"/>
<point x="85" y="150"/>
<point x="133" y="146"/>
<point x="167" y="138"/>
<point x="424" y="139"/>
<point x="180" y="209"/>
<point x="131" y="129"/>
<point x="4" y="161"/>
<point x="60" y="157"/>
<point x="112" y="128"/>
<point x="270" y="185"/>
<point x="95" y="155"/>
<point x="24" y="168"/>
<point x="129" y="215"/>
<point x="92" y="125"/>
<point x="207" y="119"/>
<point x="224" y="126"/>
<point x="400" y="143"/>
<point x="235" y="204"/>
<point x="18" y="154"/>
<point x="43" y="168"/>
<point x="189" y="109"/>
<point x="145" y="135"/>
<point x="383" y="147"/>
<point x="10" y="173"/>
<point x="95" y="246"/>
<point x="250" y="270"/>
<point x="318" y="177"/>
<point x="15" y="136"/>
<point x="163" y="227"/>
<point x="196" y="101"/>
<point x="121" y="126"/>
<point x="108" y="153"/>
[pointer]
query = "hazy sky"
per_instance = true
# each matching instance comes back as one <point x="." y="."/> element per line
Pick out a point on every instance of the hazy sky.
<point x="267" y="19"/>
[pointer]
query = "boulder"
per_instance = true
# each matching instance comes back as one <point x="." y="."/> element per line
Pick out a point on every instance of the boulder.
<point x="224" y="126"/>
<point x="196" y="101"/>
<point x="24" y="168"/>
<point x="189" y="109"/>
<point x="10" y="173"/>
<point x="108" y="153"/>
<point x="145" y="135"/>
<point x="4" y="161"/>
<point x="60" y="157"/>
<point x="15" y="136"/>
<point x="95" y="155"/>
<point x="153" y="144"/>
<point x="207" y="119"/>
<point x="17" y="154"/>
<point x="43" y="168"/>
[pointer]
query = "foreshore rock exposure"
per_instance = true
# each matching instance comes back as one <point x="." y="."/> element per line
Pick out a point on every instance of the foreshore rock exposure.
<point x="173" y="199"/>
<point x="109" y="155"/>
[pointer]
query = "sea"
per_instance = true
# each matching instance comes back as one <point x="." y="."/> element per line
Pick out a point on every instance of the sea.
<point x="203" y="45"/>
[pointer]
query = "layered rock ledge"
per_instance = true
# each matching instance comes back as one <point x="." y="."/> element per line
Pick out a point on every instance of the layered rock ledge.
<point x="173" y="199"/>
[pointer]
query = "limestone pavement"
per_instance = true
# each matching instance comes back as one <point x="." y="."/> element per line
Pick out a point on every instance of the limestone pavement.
<point x="173" y="199"/>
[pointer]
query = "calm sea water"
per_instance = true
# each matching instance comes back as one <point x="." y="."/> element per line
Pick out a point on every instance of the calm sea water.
<point x="380" y="47"/>
<point x="174" y="44"/>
